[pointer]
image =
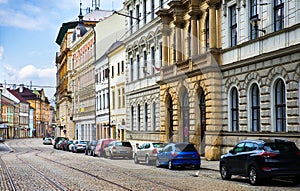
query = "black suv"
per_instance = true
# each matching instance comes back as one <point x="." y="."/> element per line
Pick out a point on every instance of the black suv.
<point x="90" y="148"/>
<point x="262" y="160"/>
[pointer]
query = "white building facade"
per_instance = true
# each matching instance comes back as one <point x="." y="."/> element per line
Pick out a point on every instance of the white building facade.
<point x="108" y="31"/>
<point x="143" y="54"/>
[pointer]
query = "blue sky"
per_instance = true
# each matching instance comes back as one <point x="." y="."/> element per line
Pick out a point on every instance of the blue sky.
<point x="28" y="30"/>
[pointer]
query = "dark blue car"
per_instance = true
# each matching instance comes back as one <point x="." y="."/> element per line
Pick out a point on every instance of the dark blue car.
<point x="179" y="155"/>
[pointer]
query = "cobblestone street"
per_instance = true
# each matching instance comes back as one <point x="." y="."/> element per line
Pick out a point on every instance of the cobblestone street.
<point x="34" y="166"/>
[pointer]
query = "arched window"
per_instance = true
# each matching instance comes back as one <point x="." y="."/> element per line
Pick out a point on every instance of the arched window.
<point x="146" y="116"/>
<point x="280" y="106"/>
<point x="255" y="108"/>
<point x="138" y="117"/>
<point x="234" y="110"/>
<point x="131" y="118"/>
<point x="153" y="116"/>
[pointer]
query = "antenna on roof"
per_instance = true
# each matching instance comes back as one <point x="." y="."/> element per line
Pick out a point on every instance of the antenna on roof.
<point x="96" y="4"/>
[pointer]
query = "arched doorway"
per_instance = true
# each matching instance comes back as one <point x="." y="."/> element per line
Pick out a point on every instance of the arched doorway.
<point x="202" y="108"/>
<point x="170" y="116"/>
<point x="185" y="113"/>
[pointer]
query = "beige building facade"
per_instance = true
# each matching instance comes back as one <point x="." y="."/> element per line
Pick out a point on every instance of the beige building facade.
<point x="190" y="84"/>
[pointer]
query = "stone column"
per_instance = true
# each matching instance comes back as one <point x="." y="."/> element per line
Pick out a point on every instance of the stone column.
<point x="212" y="25"/>
<point x="194" y="35"/>
<point x="178" y="41"/>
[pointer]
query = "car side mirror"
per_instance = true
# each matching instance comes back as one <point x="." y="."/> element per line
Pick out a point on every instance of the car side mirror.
<point x="231" y="151"/>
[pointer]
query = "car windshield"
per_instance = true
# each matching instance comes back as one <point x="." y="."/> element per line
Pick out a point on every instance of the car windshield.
<point x="158" y="145"/>
<point x="125" y="144"/>
<point x="185" y="147"/>
<point x="82" y="142"/>
<point x="281" y="146"/>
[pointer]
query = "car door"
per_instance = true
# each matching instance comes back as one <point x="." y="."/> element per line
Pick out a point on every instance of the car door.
<point x="242" y="157"/>
<point x="233" y="158"/>
<point x="140" y="151"/>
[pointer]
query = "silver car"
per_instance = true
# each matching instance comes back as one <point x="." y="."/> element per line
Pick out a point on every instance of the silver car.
<point x="119" y="149"/>
<point x="147" y="152"/>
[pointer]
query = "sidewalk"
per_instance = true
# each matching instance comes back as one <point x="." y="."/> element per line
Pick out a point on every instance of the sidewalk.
<point x="212" y="165"/>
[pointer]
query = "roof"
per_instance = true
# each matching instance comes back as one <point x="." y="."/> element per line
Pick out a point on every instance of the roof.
<point x="88" y="20"/>
<point x="27" y="94"/>
<point x="17" y="95"/>
<point x="114" y="46"/>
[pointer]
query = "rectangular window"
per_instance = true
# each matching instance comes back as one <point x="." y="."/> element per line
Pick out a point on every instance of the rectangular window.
<point x="233" y="25"/>
<point x="112" y="71"/>
<point x="253" y="19"/>
<point x="152" y="9"/>
<point x="145" y="67"/>
<point x="123" y="97"/>
<point x="138" y="66"/>
<point x="118" y="68"/>
<point x="119" y="98"/>
<point x="152" y="59"/>
<point x="131" y="69"/>
<point x="278" y="14"/>
<point x="145" y="11"/>
<point x="137" y="16"/>
<point x="131" y="21"/>
<point x="122" y="66"/>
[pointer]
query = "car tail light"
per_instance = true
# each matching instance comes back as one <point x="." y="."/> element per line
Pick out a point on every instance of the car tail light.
<point x="298" y="153"/>
<point x="174" y="154"/>
<point x="265" y="168"/>
<point x="154" y="151"/>
<point x="267" y="154"/>
<point x="79" y="145"/>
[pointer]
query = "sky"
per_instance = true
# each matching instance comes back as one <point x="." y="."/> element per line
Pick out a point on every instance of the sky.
<point x="28" y="30"/>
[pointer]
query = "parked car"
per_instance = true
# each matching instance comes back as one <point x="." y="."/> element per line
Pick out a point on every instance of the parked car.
<point x="119" y="149"/>
<point x="90" y="148"/>
<point x="147" y="152"/>
<point x="56" y="140"/>
<point x="66" y="144"/>
<point x="47" y="141"/>
<point x="59" y="145"/>
<point x="179" y="154"/>
<point x="72" y="144"/>
<point x="261" y="160"/>
<point x="102" y="143"/>
<point x="79" y="146"/>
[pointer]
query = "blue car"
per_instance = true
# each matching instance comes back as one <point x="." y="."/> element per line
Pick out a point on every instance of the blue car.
<point x="179" y="155"/>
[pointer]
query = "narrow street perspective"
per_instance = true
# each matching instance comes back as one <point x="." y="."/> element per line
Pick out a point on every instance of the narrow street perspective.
<point x="28" y="164"/>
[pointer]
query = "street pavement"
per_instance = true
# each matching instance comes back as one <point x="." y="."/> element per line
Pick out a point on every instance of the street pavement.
<point x="205" y="164"/>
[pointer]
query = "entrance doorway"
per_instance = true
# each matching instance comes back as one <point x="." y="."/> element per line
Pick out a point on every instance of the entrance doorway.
<point x="185" y="113"/>
<point x="202" y="108"/>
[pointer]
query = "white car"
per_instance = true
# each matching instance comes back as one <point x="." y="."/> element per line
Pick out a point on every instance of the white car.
<point x="47" y="141"/>
<point x="147" y="152"/>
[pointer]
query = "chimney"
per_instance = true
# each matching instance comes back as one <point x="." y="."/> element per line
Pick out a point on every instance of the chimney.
<point x="21" y="88"/>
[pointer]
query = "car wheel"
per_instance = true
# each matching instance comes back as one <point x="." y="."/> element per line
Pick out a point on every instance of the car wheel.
<point x="224" y="172"/>
<point x="157" y="163"/>
<point x="136" y="160"/>
<point x="254" y="177"/>
<point x="147" y="160"/>
<point x="170" y="165"/>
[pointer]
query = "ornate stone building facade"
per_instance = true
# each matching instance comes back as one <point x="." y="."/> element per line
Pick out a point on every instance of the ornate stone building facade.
<point x="261" y="71"/>
<point x="143" y="55"/>
<point x="190" y="84"/>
